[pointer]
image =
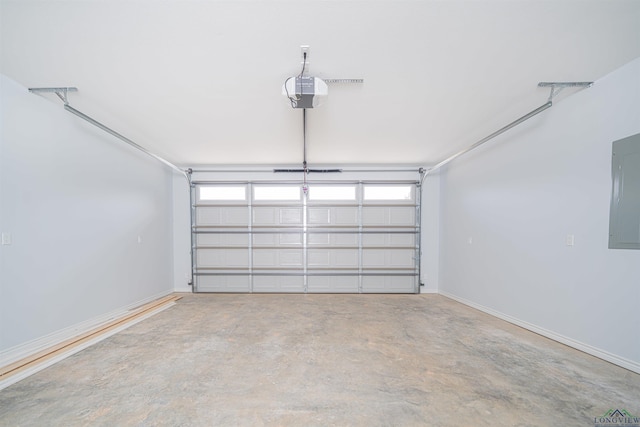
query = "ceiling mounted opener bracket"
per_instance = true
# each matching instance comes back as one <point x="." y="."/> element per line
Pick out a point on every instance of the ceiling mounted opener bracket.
<point x="557" y="87"/>
<point x="343" y="80"/>
<point x="60" y="91"/>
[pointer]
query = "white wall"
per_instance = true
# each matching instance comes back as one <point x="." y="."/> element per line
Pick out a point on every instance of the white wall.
<point x="74" y="201"/>
<point x="508" y="207"/>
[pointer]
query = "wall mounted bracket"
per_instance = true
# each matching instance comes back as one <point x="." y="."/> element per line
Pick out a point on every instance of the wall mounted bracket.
<point x="60" y="91"/>
<point x="557" y="87"/>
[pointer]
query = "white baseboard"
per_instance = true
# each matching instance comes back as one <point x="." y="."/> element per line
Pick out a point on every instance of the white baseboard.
<point x="428" y="291"/>
<point x="63" y="355"/>
<point x="601" y="354"/>
<point x="28" y="348"/>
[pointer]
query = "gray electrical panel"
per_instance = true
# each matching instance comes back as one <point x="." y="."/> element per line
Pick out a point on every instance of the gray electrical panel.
<point x="624" y="219"/>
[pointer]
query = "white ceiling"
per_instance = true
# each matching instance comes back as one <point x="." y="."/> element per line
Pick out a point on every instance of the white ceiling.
<point x="199" y="82"/>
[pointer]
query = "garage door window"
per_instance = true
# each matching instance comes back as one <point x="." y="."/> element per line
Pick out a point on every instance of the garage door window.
<point x="332" y="193"/>
<point x="222" y="193"/>
<point x="276" y="193"/>
<point x="382" y="192"/>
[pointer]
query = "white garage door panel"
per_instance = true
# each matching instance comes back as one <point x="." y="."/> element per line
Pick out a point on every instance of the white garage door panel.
<point x="377" y="216"/>
<point x="276" y="216"/>
<point x="336" y="239"/>
<point x="277" y="258"/>
<point x="224" y="284"/>
<point x="339" y="216"/>
<point x="345" y="216"/>
<point x="332" y="258"/>
<point x="215" y="239"/>
<point x="277" y="239"/>
<point x="406" y="240"/>
<point x="388" y="258"/>
<point x="319" y="216"/>
<point x="222" y="216"/>
<point x="290" y="216"/>
<point x="346" y="236"/>
<point x="265" y="216"/>
<point x="388" y="284"/>
<point x="402" y="216"/>
<point x="333" y="284"/>
<point x="223" y="258"/>
<point x="278" y="284"/>
<point x="401" y="258"/>
<point x="374" y="216"/>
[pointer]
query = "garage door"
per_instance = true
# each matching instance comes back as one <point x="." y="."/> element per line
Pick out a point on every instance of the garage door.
<point x="330" y="237"/>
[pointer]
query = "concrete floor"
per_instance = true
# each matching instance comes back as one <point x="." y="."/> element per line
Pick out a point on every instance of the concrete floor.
<point x="322" y="360"/>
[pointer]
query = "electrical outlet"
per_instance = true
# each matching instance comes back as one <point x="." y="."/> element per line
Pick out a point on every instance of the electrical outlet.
<point x="304" y="49"/>
<point x="6" y="238"/>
